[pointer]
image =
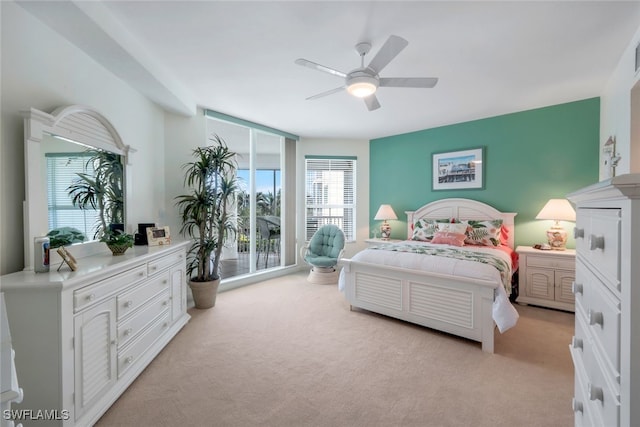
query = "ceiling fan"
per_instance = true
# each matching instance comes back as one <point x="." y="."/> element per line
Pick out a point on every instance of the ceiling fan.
<point x="364" y="81"/>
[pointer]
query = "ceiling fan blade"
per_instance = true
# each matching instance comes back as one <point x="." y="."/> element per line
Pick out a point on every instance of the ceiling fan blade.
<point x="372" y="102"/>
<point x="329" y="92"/>
<point x="389" y="50"/>
<point x="424" y="82"/>
<point x="314" y="66"/>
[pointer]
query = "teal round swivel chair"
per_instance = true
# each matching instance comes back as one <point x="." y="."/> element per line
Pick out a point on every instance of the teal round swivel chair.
<point x="323" y="253"/>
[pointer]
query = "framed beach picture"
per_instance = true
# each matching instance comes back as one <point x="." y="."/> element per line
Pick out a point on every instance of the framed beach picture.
<point x="457" y="170"/>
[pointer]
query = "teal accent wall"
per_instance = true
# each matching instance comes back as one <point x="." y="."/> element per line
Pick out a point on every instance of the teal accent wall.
<point x="529" y="158"/>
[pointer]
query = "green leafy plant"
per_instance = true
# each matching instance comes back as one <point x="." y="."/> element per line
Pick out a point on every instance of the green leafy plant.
<point x="102" y="190"/>
<point x="117" y="238"/>
<point x="64" y="236"/>
<point x="205" y="210"/>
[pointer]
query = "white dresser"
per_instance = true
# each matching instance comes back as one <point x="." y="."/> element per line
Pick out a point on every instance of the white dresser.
<point x="10" y="391"/>
<point x="82" y="337"/>
<point x="606" y="345"/>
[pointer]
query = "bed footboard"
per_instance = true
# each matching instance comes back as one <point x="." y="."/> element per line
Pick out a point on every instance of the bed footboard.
<point x="455" y="305"/>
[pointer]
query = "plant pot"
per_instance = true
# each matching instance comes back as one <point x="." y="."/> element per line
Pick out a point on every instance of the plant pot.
<point x="118" y="249"/>
<point x="204" y="293"/>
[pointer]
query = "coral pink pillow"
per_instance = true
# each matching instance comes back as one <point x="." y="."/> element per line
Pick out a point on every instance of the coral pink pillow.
<point x="449" y="238"/>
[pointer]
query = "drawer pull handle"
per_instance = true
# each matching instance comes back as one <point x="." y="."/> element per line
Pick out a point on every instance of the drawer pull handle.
<point x="596" y="242"/>
<point x="113" y="342"/>
<point x="595" y="317"/>
<point x="154" y="267"/>
<point x="595" y="393"/>
<point x="164" y="303"/>
<point x="128" y="332"/>
<point x="91" y="297"/>
<point x="578" y="233"/>
<point x="128" y="359"/>
<point x="576" y="405"/>
<point x="128" y="304"/>
<point x="141" y="274"/>
<point x="165" y="324"/>
<point x="577" y="343"/>
<point x="577" y="288"/>
<point x="164" y="282"/>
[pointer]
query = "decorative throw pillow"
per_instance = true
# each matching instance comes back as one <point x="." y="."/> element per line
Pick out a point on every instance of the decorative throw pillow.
<point x="453" y="228"/>
<point x="424" y="229"/>
<point x="483" y="233"/>
<point x="449" y="238"/>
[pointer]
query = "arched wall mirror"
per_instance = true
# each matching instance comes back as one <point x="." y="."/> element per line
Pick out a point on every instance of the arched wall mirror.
<point x="76" y="178"/>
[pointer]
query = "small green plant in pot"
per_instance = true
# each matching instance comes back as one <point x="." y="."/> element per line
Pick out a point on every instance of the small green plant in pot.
<point x="117" y="241"/>
<point x="208" y="215"/>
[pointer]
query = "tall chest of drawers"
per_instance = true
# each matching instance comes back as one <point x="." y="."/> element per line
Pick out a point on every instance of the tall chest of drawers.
<point x="82" y="337"/>
<point x="606" y="346"/>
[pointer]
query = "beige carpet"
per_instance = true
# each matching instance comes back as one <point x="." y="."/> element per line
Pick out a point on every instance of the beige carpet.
<point x="288" y="353"/>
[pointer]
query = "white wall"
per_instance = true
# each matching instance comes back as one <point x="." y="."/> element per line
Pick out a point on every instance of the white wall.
<point x="182" y="136"/>
<point x="615" y="112"/>
<point x="337" y="147"/>
<point x="40" y="69"/>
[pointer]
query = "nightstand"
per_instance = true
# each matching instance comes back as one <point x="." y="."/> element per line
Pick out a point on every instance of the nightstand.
<point x="377" y="241"/>
<point x="546" y="277"/>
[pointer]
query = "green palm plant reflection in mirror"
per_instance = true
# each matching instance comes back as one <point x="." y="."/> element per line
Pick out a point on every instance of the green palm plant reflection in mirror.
<point x="103" y="190"/>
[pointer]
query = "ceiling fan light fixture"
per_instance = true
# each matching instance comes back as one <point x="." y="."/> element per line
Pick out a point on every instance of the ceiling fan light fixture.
<point x="362" y="86"/>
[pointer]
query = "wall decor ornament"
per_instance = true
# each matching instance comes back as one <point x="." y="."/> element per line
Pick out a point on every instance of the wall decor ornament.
<point x="610" y="157"/>
<point x="457" y="170"/>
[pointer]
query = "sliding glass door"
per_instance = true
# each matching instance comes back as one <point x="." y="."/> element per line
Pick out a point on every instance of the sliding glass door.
<point x="258" y="243"/>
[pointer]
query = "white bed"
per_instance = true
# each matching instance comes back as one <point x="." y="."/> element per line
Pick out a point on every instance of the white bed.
<point x="464" y="298"/>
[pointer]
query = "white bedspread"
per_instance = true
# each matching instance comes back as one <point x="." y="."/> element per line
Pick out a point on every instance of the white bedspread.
<point x="504" y="314"/>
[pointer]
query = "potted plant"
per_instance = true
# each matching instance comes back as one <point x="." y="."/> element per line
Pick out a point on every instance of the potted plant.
<point x="101" y="190"/>
<point x="117" y="241"/>
<point x="208" y="216"/>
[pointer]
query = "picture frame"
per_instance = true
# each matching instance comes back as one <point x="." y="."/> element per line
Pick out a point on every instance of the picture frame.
<point x="157" y="236"/>
<point x="67" y="258"/>
<point x="458" y="170"/>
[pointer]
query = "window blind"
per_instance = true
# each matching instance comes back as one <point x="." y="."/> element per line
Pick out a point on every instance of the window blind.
<point x="62" y="170"/>
<point x="330" y="194"/>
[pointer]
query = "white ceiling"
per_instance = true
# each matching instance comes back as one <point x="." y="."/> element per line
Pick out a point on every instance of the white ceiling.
<point x="238" y="57"/>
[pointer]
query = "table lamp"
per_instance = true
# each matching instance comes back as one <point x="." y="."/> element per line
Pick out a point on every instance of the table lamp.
<point x="385" y="212"/>
<point x="557" y="210"/>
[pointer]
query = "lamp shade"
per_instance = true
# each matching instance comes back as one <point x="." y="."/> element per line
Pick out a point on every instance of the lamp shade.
<point x="557" y="210"/>
<point x="385" y="212"/>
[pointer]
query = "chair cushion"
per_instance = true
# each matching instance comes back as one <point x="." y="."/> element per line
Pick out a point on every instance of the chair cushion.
<point x="328" y="241"/>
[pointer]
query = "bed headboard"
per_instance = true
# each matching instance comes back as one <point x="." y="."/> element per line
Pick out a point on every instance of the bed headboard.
<point x="462" y="209"/>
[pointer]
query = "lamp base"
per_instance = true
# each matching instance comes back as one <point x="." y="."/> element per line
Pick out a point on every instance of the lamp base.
<point x="385" y="231"/>
<point x="557" y="238"/>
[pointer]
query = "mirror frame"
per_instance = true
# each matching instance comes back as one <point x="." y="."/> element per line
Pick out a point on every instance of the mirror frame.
<point x="76" y="123"/>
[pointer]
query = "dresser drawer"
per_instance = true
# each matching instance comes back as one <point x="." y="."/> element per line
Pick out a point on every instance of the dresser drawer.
<point x="602" y="319"/>
<point x="581" y="337"/>
<point x="598" y="240"/>
<point x="129" y="355"/>
<point x="602" y="399"/>
<point x="165" y="262"/>
<point x="130" y="328"/>
<point x="550" y="262"/>
<point x="88" y="295"/>
<point x="131" y="300"/>
<point x="580" y="403"/>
